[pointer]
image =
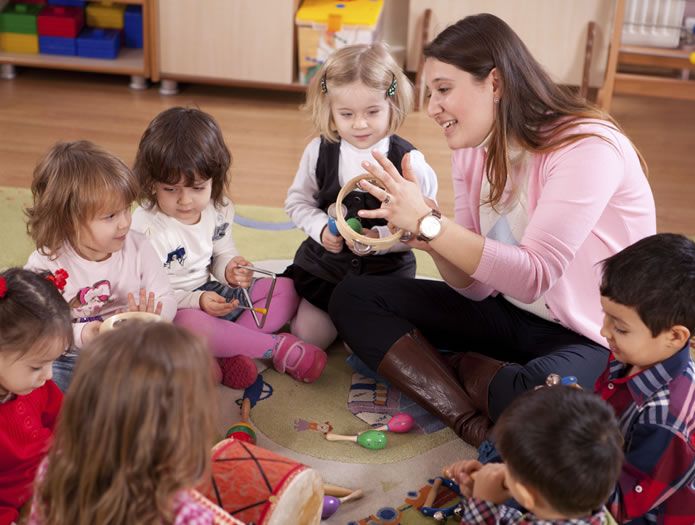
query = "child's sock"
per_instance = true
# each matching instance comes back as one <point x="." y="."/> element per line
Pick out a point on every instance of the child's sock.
<point x="313" y="325"/>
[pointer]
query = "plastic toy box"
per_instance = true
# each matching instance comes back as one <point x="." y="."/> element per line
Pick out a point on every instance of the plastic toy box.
<point x="60" y="21"/>
<point x="324" y="26"/>
<point x="19" y="43"/>
<point x="19" y="18"/>
<point x="132" y="26"/>
<point x="105" y="15"/>
<point x="57" y="45"/>
<point x="95" y="42"/>
<point x="72" y="3"/>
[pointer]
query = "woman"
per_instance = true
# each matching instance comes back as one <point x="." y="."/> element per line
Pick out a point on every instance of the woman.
<point x="546" y="186"/>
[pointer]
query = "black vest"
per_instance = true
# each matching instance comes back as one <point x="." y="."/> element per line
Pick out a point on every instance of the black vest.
<point x="333" y="267"/>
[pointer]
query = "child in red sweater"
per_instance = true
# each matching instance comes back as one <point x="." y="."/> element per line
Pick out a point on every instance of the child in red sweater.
<point x="34" y="331"/>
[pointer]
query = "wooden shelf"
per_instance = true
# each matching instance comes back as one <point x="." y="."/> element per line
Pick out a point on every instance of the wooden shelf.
<point x="129" y="62"/>
<point x="656" y="57"/>
<point x="133" y="62"/>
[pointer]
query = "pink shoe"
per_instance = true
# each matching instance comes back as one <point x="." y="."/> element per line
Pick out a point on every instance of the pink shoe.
<point x="238" y="372"/>
<point x="302" y="361"/>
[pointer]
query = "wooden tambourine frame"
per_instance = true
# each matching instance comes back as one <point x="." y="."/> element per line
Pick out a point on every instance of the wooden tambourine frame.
<point x="115" y="320"/>
<point x="359" y="243"/>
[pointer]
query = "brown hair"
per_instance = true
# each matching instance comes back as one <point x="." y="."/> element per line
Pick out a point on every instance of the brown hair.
<point x="182" y="142"/>
<point x="136" y="428"/>
<point x="73" y="183"/>
<point x="532" y="110"/>
<point x="372" y="65"/>
<point x="565" y="443"/>
<point x="31" y="312"/>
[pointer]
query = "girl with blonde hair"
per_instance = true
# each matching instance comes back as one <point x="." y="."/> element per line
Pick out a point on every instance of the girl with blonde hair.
<point x="357" y="101"/>
<point x="135" y="434"/>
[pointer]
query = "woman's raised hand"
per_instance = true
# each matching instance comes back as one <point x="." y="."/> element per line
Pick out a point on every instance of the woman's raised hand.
<point x="402" y="202"/>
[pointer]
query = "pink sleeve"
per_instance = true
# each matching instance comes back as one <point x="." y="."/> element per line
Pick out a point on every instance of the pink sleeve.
<point x="575" y="185"/>
<point x="154" y="279"/>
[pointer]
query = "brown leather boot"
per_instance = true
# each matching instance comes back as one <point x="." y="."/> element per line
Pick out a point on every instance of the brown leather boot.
<point x="475" y="372"/>
<point x="416" y="368"/>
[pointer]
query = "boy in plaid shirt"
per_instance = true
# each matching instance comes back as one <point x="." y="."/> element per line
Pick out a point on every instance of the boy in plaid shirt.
<point x="648" y="299"/>
<point x="562" y="453"/>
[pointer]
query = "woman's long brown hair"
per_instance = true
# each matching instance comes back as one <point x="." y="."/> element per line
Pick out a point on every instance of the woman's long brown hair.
<point x="533" y="110"/>
<point x="136" y="427"/>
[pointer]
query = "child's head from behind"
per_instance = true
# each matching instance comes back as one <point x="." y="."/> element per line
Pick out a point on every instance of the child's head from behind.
<point x="647" y="295"/>
<point x="35" y="330"/>
<point x="360" y="94"/>
<point x="182" y="163"/>
<point x="137" y="426"/>
<point x="562" y="448"/>
<point x="82" y="196"/>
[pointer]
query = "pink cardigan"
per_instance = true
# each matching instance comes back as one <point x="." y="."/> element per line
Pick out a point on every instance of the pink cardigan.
<point x="586" y="202"/>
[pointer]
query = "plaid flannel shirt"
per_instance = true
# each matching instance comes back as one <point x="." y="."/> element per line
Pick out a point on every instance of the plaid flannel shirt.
<point x="483" y="512"/>
<point x="656" y="412"/>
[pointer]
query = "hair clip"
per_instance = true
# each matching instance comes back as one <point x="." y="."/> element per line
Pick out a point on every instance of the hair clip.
<point x="391" y="91"/>
<point x="3" y="287"/>
<point x="322" y="82"/>
<point x="59" y="279"/>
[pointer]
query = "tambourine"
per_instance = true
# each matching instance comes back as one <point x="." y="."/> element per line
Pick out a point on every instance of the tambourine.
<point x="361" y="244"/>
<point x="119" y="320"/>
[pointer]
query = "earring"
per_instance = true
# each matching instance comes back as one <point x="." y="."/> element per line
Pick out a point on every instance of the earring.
<point x="496" y="100"/>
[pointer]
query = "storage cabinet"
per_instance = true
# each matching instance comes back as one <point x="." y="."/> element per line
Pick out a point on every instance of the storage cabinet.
<point x="133" y="62"/>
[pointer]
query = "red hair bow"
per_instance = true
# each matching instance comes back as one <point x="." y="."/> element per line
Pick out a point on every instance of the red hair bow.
<point x="59" y="279"/>
<point x="3" y="287"/>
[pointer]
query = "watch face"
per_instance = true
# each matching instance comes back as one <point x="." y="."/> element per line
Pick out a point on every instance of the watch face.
<point x="430" y="226"/>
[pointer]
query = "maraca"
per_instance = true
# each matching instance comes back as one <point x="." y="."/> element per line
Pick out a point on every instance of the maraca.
<point x="331" y="503"/>
<point x="400" y="422"/>
<point x="243" y="431"/>
<point x="371" y="439"/>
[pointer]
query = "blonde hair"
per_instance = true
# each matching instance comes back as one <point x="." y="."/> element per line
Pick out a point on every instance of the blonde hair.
<point x="136" y="428"/>
<point x="373" y="66"/>
<point x="72" y="183"/>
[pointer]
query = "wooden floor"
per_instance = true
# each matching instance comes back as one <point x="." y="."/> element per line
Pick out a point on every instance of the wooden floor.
<point x="267" y="132"/>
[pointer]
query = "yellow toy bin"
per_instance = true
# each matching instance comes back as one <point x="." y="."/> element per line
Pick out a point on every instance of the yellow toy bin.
<point x="19" y="43"/>
<point x="324" y="26"/>
<point x="105" y="15"/>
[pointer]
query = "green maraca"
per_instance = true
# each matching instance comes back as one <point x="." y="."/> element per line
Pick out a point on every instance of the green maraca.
<point x="371" y="439"/>
<point x="354" y="224"/>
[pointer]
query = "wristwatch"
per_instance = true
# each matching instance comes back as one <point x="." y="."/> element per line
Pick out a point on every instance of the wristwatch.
<point x="429" y="226"/>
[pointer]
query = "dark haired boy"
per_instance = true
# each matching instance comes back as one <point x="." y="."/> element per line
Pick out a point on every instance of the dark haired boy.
<point x="562" y="452"/>
<point x="648" y="299"/>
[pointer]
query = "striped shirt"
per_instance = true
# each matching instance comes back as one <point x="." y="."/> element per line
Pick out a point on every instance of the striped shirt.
<point x="656" y="412"/>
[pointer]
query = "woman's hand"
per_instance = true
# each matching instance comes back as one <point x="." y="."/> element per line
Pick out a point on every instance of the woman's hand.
<point x="238" y="277"/>
<point x="146" y="303"/>
<point x="402" y="202"/>
<point x="214" y="304"/>
<point x="332" y="243"/>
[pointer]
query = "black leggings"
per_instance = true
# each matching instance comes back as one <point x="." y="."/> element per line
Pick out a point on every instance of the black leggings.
<point x="373" y="312"/>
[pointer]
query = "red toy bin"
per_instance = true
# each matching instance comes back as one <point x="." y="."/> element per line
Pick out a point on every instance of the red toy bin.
<point x="60" y="21"/>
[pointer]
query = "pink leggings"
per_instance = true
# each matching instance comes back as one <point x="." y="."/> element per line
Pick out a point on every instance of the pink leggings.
<point x="230" y="338"/>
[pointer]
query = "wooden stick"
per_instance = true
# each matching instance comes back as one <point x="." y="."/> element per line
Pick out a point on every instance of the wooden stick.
<point x="432" y="494"/>
<point x="245" y="410"/>
<point x="339" y="437"/>
<point x="254" y="308"/>
<point x="336" y="491"/>
<point x="354" y="495"/>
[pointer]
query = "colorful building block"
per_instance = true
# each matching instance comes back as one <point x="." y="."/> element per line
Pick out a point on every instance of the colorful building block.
<point x="19" y="18"/>
<point x="61" y="21"/>
<point x="105" y="15"/>
<point x="19" y="43"/>
<point x="56" y="45"/>
<point x="71" y="3"/>
<point x="35" y="2"/>
<point x="95" y="42"/>
<point x="132" y="26"/>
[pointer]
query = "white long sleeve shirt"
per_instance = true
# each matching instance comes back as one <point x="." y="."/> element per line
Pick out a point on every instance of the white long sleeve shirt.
<point x="302" y="207"/>
<point x="190" y="253"/>
<point x="101" y="288"/>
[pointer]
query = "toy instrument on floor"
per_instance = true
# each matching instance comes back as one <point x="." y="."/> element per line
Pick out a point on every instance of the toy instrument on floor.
<point x="257" y="486"/>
